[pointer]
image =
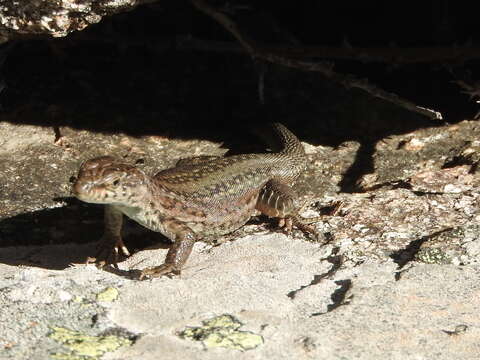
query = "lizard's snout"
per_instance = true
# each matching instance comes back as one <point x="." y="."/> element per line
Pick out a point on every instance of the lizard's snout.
<point x="86" y="191"/>
<point x="89" y="185"/>
<point x="80" y="189"/>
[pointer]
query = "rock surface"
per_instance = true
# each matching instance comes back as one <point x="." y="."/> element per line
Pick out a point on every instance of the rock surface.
<point x="395" y="274"/>
<point x="55" y="18"/>
<point x="267" y="283"/>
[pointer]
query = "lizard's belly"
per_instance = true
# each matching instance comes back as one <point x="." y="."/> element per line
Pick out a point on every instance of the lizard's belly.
<point x="223" y="226"/>
<point x="205" y="220"/>
<point x="148" y="219"/>
<point x="221" y="220"/>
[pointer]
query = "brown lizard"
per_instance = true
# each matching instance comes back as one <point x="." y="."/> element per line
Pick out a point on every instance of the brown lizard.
<point x="199" y="198"/>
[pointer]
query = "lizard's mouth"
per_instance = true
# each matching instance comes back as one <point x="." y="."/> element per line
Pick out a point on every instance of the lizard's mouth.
<point x="89" y="193"/>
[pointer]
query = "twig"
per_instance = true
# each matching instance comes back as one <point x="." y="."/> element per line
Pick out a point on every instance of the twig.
<point x="349" y="81"/>
<point x="388" y="55"/>
<point x="470" y="87"/>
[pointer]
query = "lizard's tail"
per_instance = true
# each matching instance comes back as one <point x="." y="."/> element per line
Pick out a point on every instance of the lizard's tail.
<point x="289" y="143"/>
<point x="290" y="154"/>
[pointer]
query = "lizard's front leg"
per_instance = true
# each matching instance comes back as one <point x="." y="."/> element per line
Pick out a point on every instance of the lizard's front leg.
<point x="177" y="256"/>
<point x="111" y="243"/>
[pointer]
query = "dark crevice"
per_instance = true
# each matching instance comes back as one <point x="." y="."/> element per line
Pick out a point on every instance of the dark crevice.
<point x="339" y="296"/>
<point x="426" y="193"/>
<point x="403" y="256"/>
<point x="399" y="273"/>
<point x="459" y="330"/>
<point x="461" y="160"/>
<point x="335" y="260"/>
<point x="456" y="157"/>
<point x="474" y="168"/>
<point x="458" y="160"/>
<point x="122" y="333"/>
<point x="363" y="164"/>
<point x="394" y="184"/>
<point x="400" y="184"/>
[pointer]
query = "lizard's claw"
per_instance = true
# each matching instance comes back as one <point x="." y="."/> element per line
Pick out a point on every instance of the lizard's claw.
<point x="286" y="225"/>
<point x="300" y="223"/>
<point x="108" y="252"/>
<point x="157" y="271"/>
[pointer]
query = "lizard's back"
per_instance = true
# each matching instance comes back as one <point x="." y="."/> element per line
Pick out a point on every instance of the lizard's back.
<point x="219" y="195"/>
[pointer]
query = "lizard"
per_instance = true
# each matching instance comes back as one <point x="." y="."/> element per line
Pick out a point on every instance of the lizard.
<point x="200" y="198"/>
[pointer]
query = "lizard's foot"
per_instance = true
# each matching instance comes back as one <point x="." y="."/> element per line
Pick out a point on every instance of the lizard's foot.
<point x="286" y="224"/>
<point x="301" y="223"/>
<point x="108" y="252"/>
<point x="157" y="271"/>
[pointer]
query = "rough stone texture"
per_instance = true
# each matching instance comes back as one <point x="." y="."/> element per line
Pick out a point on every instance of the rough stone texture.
<point x="55" y="18"/>
<point x="395" y="275"/>
<point x="250" y="279"/>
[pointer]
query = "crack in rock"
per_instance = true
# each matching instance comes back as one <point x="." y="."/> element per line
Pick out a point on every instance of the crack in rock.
<point x="459" y="330"/>
<point x="403" y="256"/>
<point x="339" y="297"/>
<point x="335" y="260"/>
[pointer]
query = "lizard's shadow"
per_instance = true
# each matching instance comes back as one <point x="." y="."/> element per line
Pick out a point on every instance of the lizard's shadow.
<point x="56" y="238"/>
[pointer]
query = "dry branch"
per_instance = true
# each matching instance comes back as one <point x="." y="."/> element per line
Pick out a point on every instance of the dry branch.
<point x="388" y="55"/>
<point x="256" y="51"/>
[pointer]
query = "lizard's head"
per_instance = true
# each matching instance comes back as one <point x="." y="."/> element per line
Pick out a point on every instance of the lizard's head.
<point x="105" y="180"/>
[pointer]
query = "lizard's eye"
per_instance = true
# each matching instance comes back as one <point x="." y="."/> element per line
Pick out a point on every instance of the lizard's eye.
<point x="116" y="182"/>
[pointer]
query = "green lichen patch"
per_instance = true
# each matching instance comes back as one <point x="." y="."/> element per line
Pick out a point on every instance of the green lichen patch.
<point x="85" y="347"/>
<point x="223" y="331"/>
<point x="433" y="256"/>
<point x="108" y="295"/>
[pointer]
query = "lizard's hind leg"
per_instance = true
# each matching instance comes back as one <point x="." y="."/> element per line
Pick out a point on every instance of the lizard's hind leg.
<point x="278" y="199"/>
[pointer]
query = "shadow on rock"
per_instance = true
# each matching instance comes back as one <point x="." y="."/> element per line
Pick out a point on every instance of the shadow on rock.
<point x="56" y="238"/>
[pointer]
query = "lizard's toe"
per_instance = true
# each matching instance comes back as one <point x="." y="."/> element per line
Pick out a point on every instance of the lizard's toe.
<point x="109" y="254"/>
<point x="165" y="269"/>
<point x="91" y="260"/>
<point x="99" y="263"/>
<point x="125" y="250"/>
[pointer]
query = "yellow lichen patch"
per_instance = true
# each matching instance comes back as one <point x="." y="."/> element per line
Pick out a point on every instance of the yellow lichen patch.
<point x="222" y="331"/>
<point x="85" y="347"/>
<point x="108" y="295"/>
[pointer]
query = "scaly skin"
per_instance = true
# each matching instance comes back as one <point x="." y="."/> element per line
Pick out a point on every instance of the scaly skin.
<point x="200" y="198"/>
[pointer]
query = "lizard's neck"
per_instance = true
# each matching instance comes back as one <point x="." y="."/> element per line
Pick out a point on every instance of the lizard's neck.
<point x="149" y="205"/>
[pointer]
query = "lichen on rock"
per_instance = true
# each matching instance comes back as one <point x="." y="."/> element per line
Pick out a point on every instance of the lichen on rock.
<point x="222" y="331"/>
<point x="83" y="346"/>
